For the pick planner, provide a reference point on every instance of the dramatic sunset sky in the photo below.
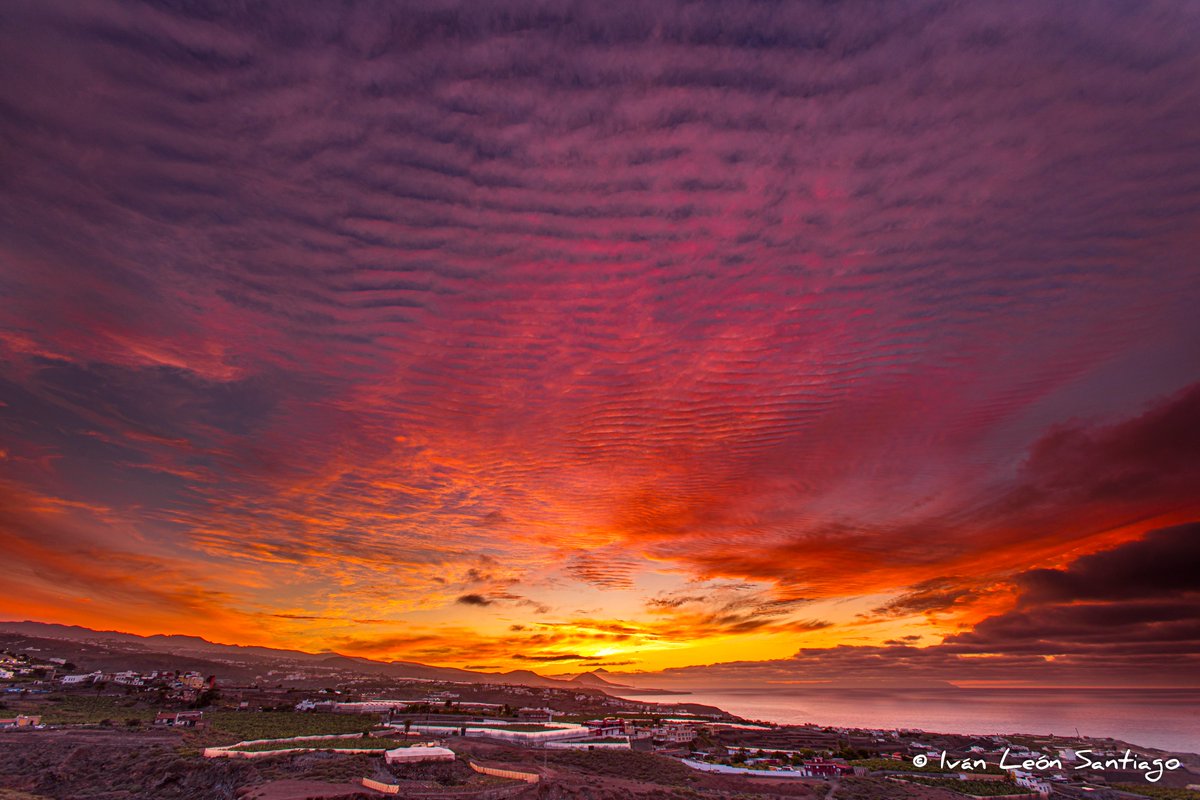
(840, 338)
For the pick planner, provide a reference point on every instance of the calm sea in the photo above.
(1168, 719)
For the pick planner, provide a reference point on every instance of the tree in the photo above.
(207, 698)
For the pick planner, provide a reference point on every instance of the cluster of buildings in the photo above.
(536, 728)
(789, 763)
(663, 732)
(175, 680)
(27, 674)
(15, 667)
(185, 687)
(535, 725)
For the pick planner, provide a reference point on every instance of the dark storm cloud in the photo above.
(1165, 564)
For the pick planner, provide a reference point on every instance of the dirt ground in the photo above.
(302, 790)
(85, 764)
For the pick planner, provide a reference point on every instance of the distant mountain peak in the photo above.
(594, 679)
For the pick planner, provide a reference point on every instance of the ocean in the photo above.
(1167, 719)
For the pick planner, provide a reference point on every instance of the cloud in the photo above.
(1140, 599)
(315, 617)
(593, 298)
(606, 571)
(473, 600)
(724, 608)
(931, 596)
(1101, 620)
(551, 657)
(1165, 564)
(1077, 484)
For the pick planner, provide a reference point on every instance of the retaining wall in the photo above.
(528, 777)
(227, 751)
(587, 746)
(519, 737)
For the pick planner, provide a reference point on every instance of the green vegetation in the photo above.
(888, 764)
(324, 744)
(92, 710)
(245, 725)
(872, 789)
(1159, 792)
(979, 788)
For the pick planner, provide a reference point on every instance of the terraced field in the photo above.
(332, 743)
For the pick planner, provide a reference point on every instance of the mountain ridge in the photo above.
(187, 646)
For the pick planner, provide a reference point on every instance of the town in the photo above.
(422, 736)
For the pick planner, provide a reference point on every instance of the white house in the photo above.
(412, 755)
(1031, 782)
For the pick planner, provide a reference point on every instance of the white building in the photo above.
(413, 755)
(677, 734)
(1031, 782)
(369, 706)
(78, 679)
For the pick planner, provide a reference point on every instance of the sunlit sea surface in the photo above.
(1168, 719)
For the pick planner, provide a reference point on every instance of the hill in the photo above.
(115, 650)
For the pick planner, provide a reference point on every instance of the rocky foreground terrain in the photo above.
(161, 765)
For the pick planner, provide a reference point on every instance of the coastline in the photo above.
(1147, 719)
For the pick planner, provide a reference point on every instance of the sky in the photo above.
(806, 339)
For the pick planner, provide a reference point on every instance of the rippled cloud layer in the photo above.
(562, 334)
